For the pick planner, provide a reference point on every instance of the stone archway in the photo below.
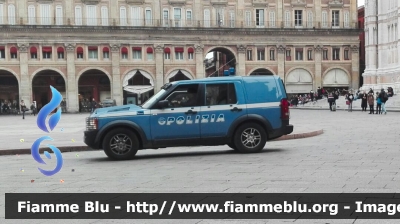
(178, 75)
(261, 71)
(138, 87)
(41, 83)
(336, 78)
(9, 90)
(299, 81)
(93, 84)
(219, 60)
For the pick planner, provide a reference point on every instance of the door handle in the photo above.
(236, 109)
(191, 112)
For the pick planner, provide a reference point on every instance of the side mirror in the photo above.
(163, 104)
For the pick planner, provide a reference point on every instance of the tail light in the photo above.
(285, 113)
(91, 123)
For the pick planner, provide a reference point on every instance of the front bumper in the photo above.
(89, 139)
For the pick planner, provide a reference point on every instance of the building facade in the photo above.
(361, 17)
(127, 49)
(381, 45)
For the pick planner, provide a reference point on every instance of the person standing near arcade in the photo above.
(23, 108)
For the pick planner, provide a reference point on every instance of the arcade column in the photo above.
(116, 88)
(159, 82)
(25, 86)
(72, 84)
(241, 61)
(281, 62)
(355, 67)
(318, 67)
(200, 70)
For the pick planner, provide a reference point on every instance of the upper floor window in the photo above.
(190, 53)
(45, 14)
(11, 15)
(104, 16)
(46, 52)
(91, 15)
(136, 16)
(220, 17)
(79, 53)
(167, 53)
(148, 17)
(31, 15)
(336, 54)
(347, 20)
(124, 53)
(298, 18)
(260, 54)
(189, 17)
(2, 52)
(60, 53)
(93, 52)
(207, 18)
(1, 14)
(165, 17)
(309, 55)
(122, 16)
(260, 17)
(59, 15)
(33, 51)
(299, 54)
(137, 53)
(177, 17)
(335, 18)
(106, 53)
(78, 16)
(248, 19)
(13, 52)
(179, 53)
(346, 54)
(287, 19)
(288, 55)
(310, 21)
(272, 19)
(150, 55)
(249, 55)
(325, 54)
(324, 19)
(272, 55)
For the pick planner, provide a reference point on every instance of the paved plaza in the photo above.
(358, 153)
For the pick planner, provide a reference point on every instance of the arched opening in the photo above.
(219, 61)
(261, 71)
(336, 79)
(138, 87)
(9, 92)
(179, 75)
(93, 84)
(299, 81)
(41, 83)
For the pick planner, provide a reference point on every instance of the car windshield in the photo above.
(153, 99)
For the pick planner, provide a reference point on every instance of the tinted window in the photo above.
(183, 96)
(220, 94)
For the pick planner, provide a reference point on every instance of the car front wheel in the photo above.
(250, 138)
(120, 144)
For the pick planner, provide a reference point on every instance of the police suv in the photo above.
(242, 112)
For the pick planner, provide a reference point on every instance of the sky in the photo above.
(361, 2)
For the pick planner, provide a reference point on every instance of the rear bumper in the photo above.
(89, 139)
(285, 129)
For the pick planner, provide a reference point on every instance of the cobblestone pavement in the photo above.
(357, 153)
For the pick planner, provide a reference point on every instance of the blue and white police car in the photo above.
(242, 112)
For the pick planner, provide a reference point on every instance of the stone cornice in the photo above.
(91, 2)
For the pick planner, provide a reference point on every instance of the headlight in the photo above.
(91, 123)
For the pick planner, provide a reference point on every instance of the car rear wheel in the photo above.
(250, 138)
(120, 144)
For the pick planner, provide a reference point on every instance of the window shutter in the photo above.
(31, 15)
(11, 14)
(206, 18)
(324, 19)
(45, 14)
(287, 19)
(59, 15)
(136, 16)
(78, 15)
(122, 16)
(91, 15)
(272, 19)
(104, 16)
(1, 13)
(346, 19)
(310, 20)
(261, 17)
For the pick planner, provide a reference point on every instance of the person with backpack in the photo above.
(384, 97)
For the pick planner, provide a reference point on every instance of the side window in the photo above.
(220, 94)
(183, 96)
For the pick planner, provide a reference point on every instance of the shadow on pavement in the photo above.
(186, 154)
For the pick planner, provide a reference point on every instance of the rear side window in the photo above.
(261, 90)
(220, 94)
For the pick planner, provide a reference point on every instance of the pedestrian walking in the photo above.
(384, 97)
(312, 95)
(364, 101)
(23, 108)
(33, 108)
(93, 105)
(371, 101)
(331, 100)
(378, 103)
(350, 98)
